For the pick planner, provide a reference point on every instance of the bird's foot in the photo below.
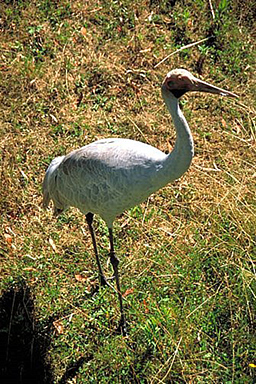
(122, 327)
(103, 280)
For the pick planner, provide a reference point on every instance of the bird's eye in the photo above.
(169, 84)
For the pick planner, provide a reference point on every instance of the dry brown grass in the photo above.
(79, 79)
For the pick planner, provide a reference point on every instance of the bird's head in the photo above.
(180, 81)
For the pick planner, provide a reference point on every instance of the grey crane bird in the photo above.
(112, 175)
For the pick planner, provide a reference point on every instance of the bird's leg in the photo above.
(114, 261)
(102, 278)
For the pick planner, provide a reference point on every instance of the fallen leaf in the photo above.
(52, 244)
(145, 306)
(83, 31)
(224, 124)
(58, 326)
(80, 278)
(128, 292)
(238, 129)
(190, 23)
(29, 269)
(8, 238)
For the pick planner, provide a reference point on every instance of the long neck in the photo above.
(178, 161)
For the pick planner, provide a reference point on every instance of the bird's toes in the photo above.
(122, 328)
(103, 281)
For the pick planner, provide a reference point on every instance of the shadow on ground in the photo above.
(23, 348)
(24, 343)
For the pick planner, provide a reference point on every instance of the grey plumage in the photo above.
(112, 175)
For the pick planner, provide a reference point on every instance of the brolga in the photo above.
(112, 175)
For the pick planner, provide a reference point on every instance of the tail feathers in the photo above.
(46, 193)
(46, 199)
(49, 182)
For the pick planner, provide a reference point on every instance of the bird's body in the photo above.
(107, 177)
(112, 175)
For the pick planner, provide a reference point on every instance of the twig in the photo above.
(138, 128)
(174, 356)
(205, 301)
(215, 169)
(166, 364)
(212, 10)
(181, 49)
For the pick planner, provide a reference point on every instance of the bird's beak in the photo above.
(203, 86)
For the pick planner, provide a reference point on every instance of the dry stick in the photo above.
(166, 364)
(174, 356)
(181, 49)
(212, 10)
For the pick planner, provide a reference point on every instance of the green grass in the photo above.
(74, 72)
